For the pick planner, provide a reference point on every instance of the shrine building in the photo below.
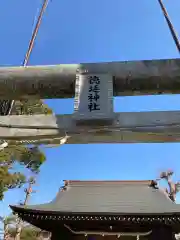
(96, 210)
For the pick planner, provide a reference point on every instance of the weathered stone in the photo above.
(129, 78)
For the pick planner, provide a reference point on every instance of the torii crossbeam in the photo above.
(133, 127)
(129, 78)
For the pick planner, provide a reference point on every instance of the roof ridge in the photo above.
(70, 182)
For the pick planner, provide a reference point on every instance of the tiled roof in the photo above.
(110, 197)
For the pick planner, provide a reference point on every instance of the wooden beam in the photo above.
(130, 78)
(130, 127)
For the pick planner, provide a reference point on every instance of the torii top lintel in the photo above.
(58, 81)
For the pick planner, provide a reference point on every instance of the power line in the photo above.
(170, 25)
(35, 32)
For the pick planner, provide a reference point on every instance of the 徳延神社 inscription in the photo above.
(94, 93)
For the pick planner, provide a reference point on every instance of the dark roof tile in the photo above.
(110, 197)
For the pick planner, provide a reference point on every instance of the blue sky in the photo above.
(94, 31)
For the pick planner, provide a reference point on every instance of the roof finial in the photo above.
(154, 184)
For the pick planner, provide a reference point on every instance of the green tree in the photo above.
(7, 222)
(30, 157)
(29, 107)
(28, 233)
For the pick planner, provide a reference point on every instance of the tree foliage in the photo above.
(174, 187)
(30, 157)
(30, 107)
(28, 233)
(7, 222)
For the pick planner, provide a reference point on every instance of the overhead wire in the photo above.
(170, 25)
(35, 32)
(6, 106)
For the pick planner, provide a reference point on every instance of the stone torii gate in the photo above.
(93, 86)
